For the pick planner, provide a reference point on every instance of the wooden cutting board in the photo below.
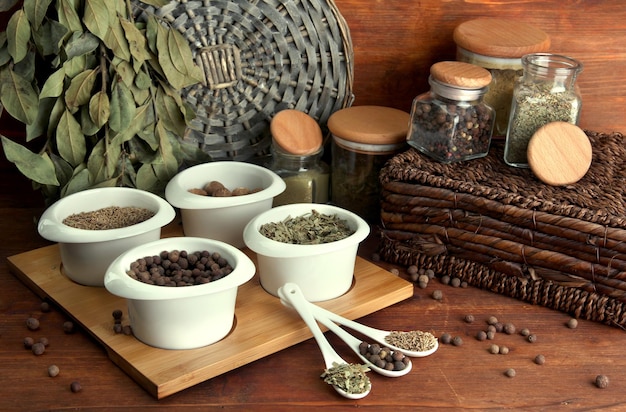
(263, 325)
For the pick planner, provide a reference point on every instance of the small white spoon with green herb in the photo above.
(415, 344)
(348, 380)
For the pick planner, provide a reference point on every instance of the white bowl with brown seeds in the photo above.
(91, 245)
(222, 217)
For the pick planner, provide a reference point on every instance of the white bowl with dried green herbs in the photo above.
(95, 226)
(217, 199)
(312, 245)
(180, 292)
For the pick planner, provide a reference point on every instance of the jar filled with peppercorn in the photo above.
(451, 122)
(297, 158)
(546, 93)
(498, 45)
(364, 138)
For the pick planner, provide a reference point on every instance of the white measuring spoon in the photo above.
(354, 343)
(377, 334)
(292, 294)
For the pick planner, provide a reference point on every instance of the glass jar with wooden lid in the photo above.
(363, 139)
(451, 122)
(297, 158)
(499, 45)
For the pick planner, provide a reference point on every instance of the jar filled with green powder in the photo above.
(547, 92)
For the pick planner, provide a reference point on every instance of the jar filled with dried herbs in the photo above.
(297, 158)
(451, 122)
(546, 93)
(364, 138)
(498, 45)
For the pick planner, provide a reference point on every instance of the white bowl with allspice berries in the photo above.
(94, 226)
(217, 199)
(180, 292)
(312, 245)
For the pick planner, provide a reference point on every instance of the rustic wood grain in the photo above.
(263, 325)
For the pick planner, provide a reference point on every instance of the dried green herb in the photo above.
(309, 229)
(414, 340)
(349, 377)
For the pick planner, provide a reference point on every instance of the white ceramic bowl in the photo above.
(323, 271)
(183, 317)
(86, 254)
(222, 218)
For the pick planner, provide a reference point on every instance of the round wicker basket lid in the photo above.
(559, 153)
(258, 58)
(500, 37)
(461, 74)
(370, 124)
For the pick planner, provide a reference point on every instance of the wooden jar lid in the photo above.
(460, 74)
(296, 132)
(559, 153)
(370, 124)
(500, 38)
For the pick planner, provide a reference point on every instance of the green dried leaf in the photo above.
(143, 81)
(87, 125)
(122, 107)
(80, 89)
(5, 57)
(36, 167)
(143, 117)
(124, 71)
(36, 11)
(155, 3)
(177, 79)
(80, 44)
(147, 178)
(169, 165)
(70, 139)
(67, 10)
(53, 87)
(78, 182)
(63, 169)
(96, 17)
(40, 125)
(74, 66)
(49, 37)
(99, 108)
(169, 113)
(116, 41)
(136, 42)
(18, 35)
(26, 67)
(18, 96)
(102, 162)
(55, 115)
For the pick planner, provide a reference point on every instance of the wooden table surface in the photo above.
(454, 378)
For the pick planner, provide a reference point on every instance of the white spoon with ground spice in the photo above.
(416, 344)
(351, 382)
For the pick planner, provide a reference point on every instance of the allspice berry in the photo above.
(32, 323)
(602, 381)
(572, 323)
(53, 370)
(75, 387)
(38, 348)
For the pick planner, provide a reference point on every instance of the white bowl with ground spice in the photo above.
(217, 199)
(171, 306)
(311, 245)
(94, 226)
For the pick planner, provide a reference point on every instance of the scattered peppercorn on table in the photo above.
(580, 366)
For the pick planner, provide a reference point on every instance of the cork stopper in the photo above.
(460, 74)
(296, 132)
(370, 125)
(500, 38)
(559, 153)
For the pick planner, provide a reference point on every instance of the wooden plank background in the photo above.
(396, 41)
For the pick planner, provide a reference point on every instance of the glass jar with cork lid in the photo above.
(363, 139)
(297, 158)
(498, 45)
(451, 122)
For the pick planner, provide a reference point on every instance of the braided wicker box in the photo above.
(501, 229)
(259, 57)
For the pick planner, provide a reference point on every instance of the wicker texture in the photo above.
(501, 229)
(260, 57)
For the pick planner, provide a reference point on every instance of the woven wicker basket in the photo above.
(260, 57)
(501, 229)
